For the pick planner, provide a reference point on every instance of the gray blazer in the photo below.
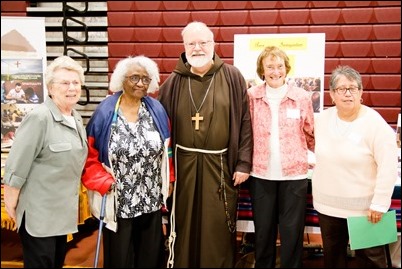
(46, 162)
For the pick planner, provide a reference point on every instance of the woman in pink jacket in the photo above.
(283, 119)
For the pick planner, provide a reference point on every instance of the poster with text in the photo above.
(23, 62)
(306, 53)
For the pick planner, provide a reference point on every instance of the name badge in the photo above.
(293, 113)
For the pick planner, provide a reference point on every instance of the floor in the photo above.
(82, 248)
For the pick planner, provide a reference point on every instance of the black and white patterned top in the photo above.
(136, 155)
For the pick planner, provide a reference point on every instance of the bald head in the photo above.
(199, 28)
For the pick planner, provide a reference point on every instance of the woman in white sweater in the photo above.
(356, 168)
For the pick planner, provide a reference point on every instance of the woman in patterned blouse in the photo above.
(129, 137)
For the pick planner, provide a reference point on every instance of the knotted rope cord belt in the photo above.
(221, 190)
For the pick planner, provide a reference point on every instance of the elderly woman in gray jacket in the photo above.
(43, 169)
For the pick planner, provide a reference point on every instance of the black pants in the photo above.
(138, 243)
(42, 252)
(278, 204)
(335, 239)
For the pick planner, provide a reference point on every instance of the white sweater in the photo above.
(356, 167)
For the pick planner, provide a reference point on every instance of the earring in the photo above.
(333, 101)
(361, 100)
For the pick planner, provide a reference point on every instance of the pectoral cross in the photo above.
(197, 118)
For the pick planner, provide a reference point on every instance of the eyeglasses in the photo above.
(202, 44)
(66, 84)
(351, 89)
(136, 78)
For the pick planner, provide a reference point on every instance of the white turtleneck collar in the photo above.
(274, 93)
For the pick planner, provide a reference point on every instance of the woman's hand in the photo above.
(11, 196)
(110, 171)
(240, 177)
(374, 216)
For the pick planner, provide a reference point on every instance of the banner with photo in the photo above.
(306, 53)
(23, 62)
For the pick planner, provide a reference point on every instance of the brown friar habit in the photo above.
(205, 202)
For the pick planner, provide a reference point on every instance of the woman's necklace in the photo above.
(197, 118)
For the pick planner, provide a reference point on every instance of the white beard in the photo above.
(198, 61)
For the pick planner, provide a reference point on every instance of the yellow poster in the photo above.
(306, 53)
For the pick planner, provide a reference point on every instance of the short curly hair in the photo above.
(119, 73)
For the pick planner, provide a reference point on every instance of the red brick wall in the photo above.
(13, 8)
(363, 34)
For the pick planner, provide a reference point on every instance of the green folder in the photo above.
(364, 234)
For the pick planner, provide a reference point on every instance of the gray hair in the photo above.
(63, 62)
(196, 25)
(348, 72)
(119, 73)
